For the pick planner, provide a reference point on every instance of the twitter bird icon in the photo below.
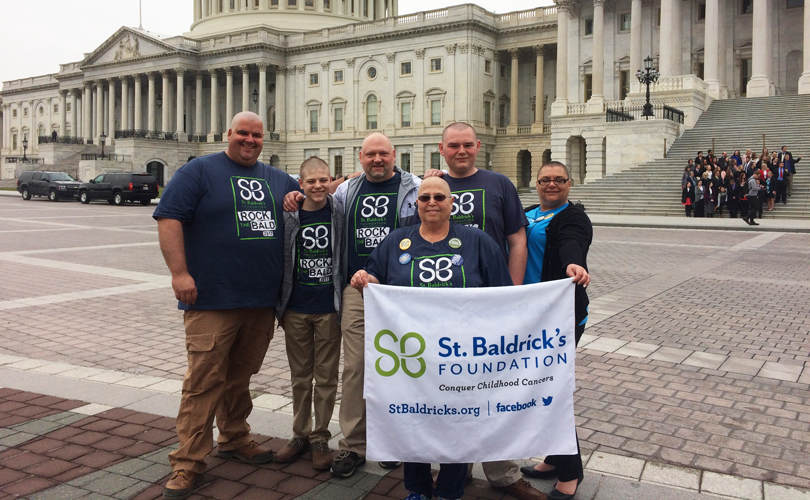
(547, 401)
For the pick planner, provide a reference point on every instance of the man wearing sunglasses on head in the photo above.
(488, 201)
(435, 254)
(374, 204)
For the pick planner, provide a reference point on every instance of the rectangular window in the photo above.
(503, 71)
(624, 22)
(487, 113)
(309, 4)
(292, 3)
(406, 114)
(338, 119)
(371, 114)
(14, 113)
(701, 12)
(488, 67)
(14, 141)
(405, 68)
(745, 75)
(313, 121)
(436, 161)
(405, 164)
(747, 7)
(338, 165)
(256, 4)
(339, 76)
(67, 107)
(700, 69)
(365, 8)
(273, 3)
(795, 3)
(313, 79)
(327, 5)
(588, 29)
(436, 112)
(25, 112)
(502, 115)
(436, 64)
(624, 84)
(588, 87)
(55, 108)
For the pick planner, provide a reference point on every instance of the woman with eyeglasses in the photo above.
(435, 253)
(558, 237)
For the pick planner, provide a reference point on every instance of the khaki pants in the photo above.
(225, 347)
(313, 349)
(790, 183)
(499, 474)
(352, 404)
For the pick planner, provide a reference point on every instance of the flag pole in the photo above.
(140, 14)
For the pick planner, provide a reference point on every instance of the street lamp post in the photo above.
(25, 148)
(255, 96)
(102, 138)
(647, 76)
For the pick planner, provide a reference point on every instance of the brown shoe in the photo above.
(251, 453)
(296, 447)
(182, 484)
(321, 456)
(522, 490)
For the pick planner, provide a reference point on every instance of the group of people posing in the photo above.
(302, 252)
(744, 184)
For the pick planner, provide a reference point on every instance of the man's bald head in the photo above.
(458, 126)
(245, 117)
(245, 138)
(375, 138)
(434, 185)
(377, 156)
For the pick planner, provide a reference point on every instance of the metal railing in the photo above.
(145, 134)
(96, 157)
(217, 137)
(275, 137)
(624, 113)
(198, 138)
(28, 159)
(48, 139)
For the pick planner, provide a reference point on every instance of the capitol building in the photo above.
(539, 83)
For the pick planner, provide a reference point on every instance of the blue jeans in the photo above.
(449, 484)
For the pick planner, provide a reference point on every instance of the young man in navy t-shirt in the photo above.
(221, 234)
(308, 310)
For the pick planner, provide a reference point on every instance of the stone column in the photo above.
(804, 81)
(761, 83)
(666, 40)
(635, 39)
(245, 87)
(74, 114)
(62, 113)
(124, 102)
(137, 123)
(166, 108)
(513, 98)
(197, 10)
(281, 100)
(711, 48)
(214, 104)
(111, 103)
(262, 111)
(198, 105)
(560, 105)
(87, 129)
(228, 96)
(150, 106)
(538, 90)
(206, 4)
(99, 118)
(180, 107)
(598, 59)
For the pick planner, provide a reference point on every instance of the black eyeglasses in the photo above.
(424, 198)
(546, 181)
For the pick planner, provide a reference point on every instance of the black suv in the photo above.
(54, 185)
(118, 188)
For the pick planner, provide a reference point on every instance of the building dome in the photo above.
(213, 17)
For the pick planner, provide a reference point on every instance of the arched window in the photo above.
(371, 112)
(41, 131)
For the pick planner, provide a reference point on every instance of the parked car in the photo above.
(119, 188)
(55, 185)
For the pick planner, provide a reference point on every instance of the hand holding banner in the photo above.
(469, 375)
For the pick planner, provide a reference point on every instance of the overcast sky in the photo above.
(38, 36)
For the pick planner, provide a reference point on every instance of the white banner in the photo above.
(469, 375)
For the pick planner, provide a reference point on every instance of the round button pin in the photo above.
(455, 243)
(404, 258)
(457, 260)
(405, 244)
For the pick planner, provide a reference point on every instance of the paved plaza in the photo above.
(693, 377)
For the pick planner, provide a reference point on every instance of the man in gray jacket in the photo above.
(374, 204)
(753, 192)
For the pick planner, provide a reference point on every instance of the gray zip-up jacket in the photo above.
(347, 192)
(753, 189)
(292, 225)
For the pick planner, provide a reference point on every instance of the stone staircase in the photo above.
(654, 188)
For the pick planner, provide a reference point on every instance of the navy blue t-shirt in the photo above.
(313, 291)
(372, 216)
(233, 229)
(466, 258)
(488, 201)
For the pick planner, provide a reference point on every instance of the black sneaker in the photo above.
(345, 463)
(390, 465)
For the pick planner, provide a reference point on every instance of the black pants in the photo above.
(732, 209)
(781, 191)
(744, 209)
(569, 467)
(699, 209)
(752, 209)
(760, 202)
(688, 210)
(449, 484)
